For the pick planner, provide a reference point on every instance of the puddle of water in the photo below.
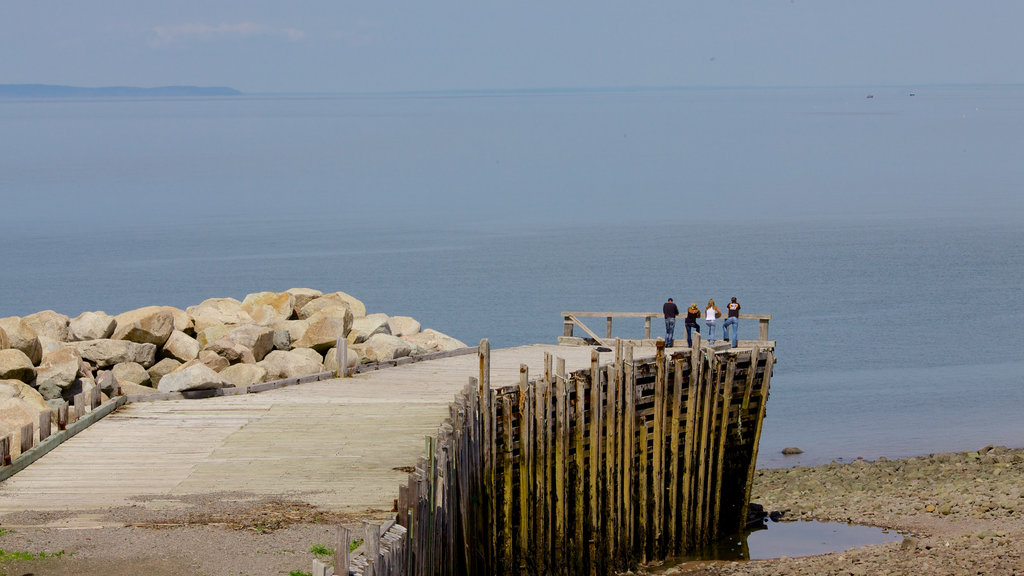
(791, 539)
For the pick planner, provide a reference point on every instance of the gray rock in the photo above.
(193, 375)
(232, 351)
(50, 324)
(244, 374)
(181, 347)
(214, 361)
(289, 364)
(57, 372)
(91, 326)
(792, 450)
(16, 365)
(282, 340)
(295, 329)
(324, 331)
(106, 353)
(107, 382)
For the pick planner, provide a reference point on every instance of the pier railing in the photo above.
(572, 319)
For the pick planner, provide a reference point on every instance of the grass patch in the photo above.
(299, 573)
(354, 544)
(321, 550)
(6, 556)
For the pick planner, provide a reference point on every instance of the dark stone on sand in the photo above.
(791, 450)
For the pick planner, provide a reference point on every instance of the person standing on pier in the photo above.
(692, 314)
(733, 320)
(711, 314)
(671, 311)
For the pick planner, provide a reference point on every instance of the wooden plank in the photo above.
(44, 424)
(690, 442)
(579, 474)
(542, 405)
(508, 538)
(27, 434)
(5, 450)
(525, 465)
(730, 375)
(763, 393)
(596, 338)
(658, 452)
(629, 450)
(594, 405)
(561, 509)
(673, 482)
(342, 540)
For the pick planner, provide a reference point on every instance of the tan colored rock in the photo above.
(331, 359)
(311, 354)
(215, 361)
(324, 331)
(266, 308)
(355, 304)
(295, 329)
(91, 326)
(16, 365)
(145, 326)
(327, 301)
(218, 311)
(403, 326)
(445, 343)
(182, 321)
(21, 336)
(105, 353)
(4, 342)
(232, 351)
(161, 369)
(50, 324)
(131, 372)
(302, 297)
(57, 372)
(130, 388)
(367, 326)
(289, 364)
(242, 375)
(258, 339)
(50, 345)
(213, 332)
(193, 375)
(20, 404)
(181, 347)
(385, 347)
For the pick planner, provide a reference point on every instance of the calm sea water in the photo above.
(883, 235)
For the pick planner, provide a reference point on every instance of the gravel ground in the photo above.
(960, 514)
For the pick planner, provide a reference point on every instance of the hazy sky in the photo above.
(350, 46)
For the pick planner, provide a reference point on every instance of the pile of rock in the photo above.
(221, 342)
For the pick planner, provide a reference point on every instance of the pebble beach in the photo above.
(959, 514)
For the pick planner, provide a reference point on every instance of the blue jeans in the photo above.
(689, 329)
(711, 330)
(670, 330)
(735, 323)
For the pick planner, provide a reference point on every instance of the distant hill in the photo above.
(53, 91)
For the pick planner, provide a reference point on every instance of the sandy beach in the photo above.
(959, 513)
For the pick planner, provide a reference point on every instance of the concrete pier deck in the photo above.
(342, 445)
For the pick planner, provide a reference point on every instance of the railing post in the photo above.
(762, 329)
(647, 328)
(566, 326)
(608, 330)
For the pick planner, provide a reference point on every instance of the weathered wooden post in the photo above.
(27, 431)
(44, 425)
(341, 552)
(341, 353)
(5, 450)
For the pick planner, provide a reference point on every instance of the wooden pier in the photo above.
(550, 460)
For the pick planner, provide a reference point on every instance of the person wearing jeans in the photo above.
(671, 311)
(711, 314)
(733, 320)
(692, 314)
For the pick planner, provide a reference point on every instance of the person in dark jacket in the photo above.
(671, 311)
(733, 320)
(692, 314)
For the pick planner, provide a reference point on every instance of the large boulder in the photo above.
(131, 372)
(324, 330)
(181, 347)
(334, 300)
(331, 358)
(244, 374)
(218, 311)
(295, 329)
(105, 353)
(214, 361)
(57, 372)
(50, 324)
(302, 297)
(366, 326)
(193, 375)
(161, 369)
(48, 345)
(146, 326)
(91, 326)
(403, 326)
(258, 339)
(16, 365)
(289, 364)
(232, 351)
(266, 308)
(435, 341)
(20, 404)
(21, 336)
(213, 332)
(385, 347)
(107, 383)
(4, 343)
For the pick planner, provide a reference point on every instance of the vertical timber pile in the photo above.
(589, 472)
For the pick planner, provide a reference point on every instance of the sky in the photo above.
(319, 46)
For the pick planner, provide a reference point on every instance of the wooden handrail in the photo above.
(573, 318)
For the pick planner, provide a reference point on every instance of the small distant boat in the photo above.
(912, 94)
(871, 96)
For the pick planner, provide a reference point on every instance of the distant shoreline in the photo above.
(57, 91)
